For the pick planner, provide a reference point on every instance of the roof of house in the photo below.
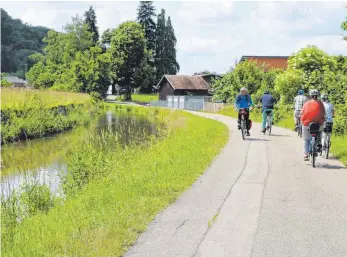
(246, 57)
(185, 82)
(15, 80)
(211, 74)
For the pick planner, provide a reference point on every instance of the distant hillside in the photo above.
(18, 41)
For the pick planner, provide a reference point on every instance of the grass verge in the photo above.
(142, 98)
(106, 215)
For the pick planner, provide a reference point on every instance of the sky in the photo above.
(213, 35)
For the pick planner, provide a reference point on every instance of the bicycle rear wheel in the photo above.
(243, 129)
(327, 146)
(269, 126)
(313, 153)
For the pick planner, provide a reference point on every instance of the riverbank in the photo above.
(27, 114)
(338, 146)
(113, 193)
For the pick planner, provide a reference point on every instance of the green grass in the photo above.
(338, 147)
(105, 217)
(12, 98)
(36, 113)
(145, 98)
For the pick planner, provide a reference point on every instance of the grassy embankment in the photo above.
(113, 193)
(34, 113)
(338, 147)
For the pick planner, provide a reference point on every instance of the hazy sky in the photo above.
(211, 35)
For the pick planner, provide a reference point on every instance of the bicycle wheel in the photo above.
(243, 131)
(327, 145)
(313, 153)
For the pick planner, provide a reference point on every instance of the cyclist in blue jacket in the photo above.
(244, 101)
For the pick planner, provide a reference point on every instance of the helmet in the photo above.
(324, 97)
(301, 92)
(314, 92)
(243, 89)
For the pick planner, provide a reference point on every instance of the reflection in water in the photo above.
(43, 159)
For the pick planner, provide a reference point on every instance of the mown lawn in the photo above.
(13, 97)
(105, 217)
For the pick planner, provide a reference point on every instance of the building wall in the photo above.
(280, 63)
(193, 92)
(165, 90)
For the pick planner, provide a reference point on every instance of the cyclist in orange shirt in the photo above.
(312, 111)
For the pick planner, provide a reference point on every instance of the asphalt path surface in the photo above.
(258, 198)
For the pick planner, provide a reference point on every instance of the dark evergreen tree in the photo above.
(90, 20)
(172, 67)
(160, 46)
(145, 14)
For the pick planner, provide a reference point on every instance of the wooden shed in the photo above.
(182, 85)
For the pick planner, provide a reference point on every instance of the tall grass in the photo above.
(12, 98)
(119, 190)
(34, 117)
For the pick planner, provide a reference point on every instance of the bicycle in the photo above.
(268, 125)
(313, 147)
(328, 127)
(243, 113)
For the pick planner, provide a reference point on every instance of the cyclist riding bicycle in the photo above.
(267, 102)
(299, 102)
(312, 111)
(329, 114)
(244, 101)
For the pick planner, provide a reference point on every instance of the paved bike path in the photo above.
(266, 200)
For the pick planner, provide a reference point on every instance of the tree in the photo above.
(160, 58)
(172, 67)
(129, 55)
(204, 72)
(344, 27)
(145, 12)
(90, 20)
(18, 42)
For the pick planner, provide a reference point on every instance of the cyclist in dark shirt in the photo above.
(267, 102)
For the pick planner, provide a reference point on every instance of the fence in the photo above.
(192, 103)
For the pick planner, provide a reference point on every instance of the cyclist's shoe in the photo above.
(296, 128)
(263, 130)
(248, 134)
(305, 157)
(238, 126)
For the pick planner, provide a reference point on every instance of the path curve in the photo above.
(266, 202)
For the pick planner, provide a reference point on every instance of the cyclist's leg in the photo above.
(272, 116)
(306, 139)
(263, 120)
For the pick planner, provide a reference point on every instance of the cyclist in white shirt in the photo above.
(329, 114)
(299, 101)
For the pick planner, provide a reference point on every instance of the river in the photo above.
(42, 160)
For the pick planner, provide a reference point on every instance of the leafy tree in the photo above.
(129, 55)
(145, 14)
(18, 42)
(344, 27)
(106, 36)
(204, 72)
(90, 20)
(172, 67)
